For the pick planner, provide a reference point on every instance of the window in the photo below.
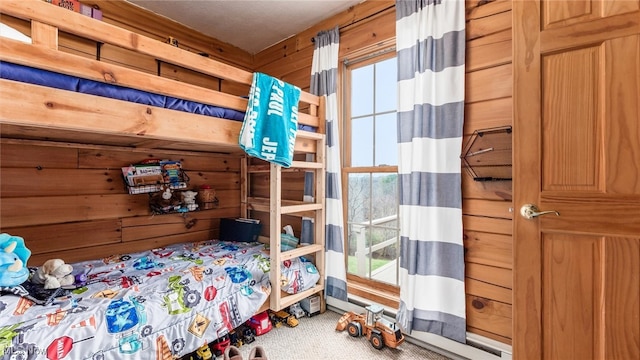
(370, 171)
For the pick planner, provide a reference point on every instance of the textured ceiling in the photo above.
(251, 25)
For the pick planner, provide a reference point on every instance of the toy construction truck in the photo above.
(378, 330)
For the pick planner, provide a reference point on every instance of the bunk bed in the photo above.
(33, 109)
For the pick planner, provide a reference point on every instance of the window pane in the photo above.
(362, 91)
(386, 80)
(372, 221)
(362, 142)
(359, 198)
(386, 149)
(385, 188)
(358, 220)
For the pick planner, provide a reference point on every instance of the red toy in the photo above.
(260, 323)
(220, 345)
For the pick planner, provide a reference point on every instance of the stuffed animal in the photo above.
(164, 200)
(189, 199)
(13, 260)
(54, 273)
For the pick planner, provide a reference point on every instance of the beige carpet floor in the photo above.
(316, 338)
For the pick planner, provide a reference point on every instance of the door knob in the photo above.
(529, 211)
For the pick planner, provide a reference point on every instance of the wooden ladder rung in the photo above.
(306, 165)
(309, 135)
(300, 208)
(300, 251)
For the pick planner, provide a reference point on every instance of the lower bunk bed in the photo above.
(158, 304)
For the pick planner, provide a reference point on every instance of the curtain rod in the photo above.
(347, 62)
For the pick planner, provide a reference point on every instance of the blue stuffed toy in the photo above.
(13, 260)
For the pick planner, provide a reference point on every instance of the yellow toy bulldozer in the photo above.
(378, 330)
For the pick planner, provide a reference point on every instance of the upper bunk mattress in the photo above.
(15, 72)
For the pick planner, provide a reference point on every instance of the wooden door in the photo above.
(577, 151)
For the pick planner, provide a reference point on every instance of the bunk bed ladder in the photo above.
(278, 207)
(279, 299)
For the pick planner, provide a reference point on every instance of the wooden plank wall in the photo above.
(486, 206)
(69, 200)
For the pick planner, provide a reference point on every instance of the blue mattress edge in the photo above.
(26, 74)
(31, 75)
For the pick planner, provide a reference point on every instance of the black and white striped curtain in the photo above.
(324, 80)
(430, 45)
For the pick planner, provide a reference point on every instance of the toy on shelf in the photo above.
(13, 260)
(378, 330)
(164, 201)
(189, 200)
(207, 197)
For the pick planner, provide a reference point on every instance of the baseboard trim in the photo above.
(478, 347)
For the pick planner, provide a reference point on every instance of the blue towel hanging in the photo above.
(271, 121)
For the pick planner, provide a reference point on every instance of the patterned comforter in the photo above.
(157, 304)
